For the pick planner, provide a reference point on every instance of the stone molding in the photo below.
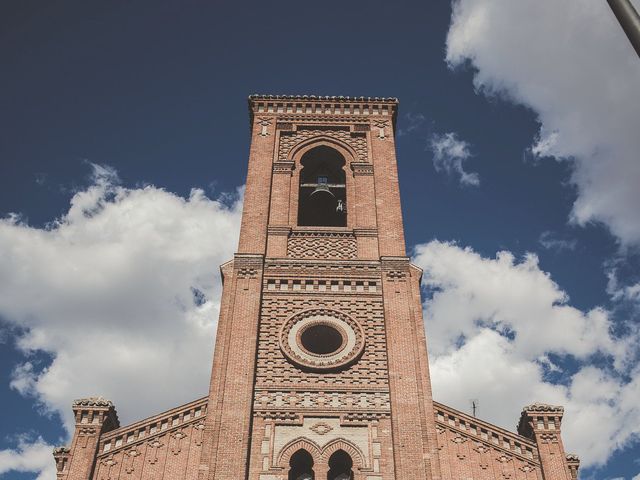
(362, 168)
(283, 167)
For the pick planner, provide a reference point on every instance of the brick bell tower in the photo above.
(320, 368)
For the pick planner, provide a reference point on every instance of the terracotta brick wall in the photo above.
(269, 396)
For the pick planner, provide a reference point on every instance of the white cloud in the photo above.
(550, 241)
(492, 325)
(410, 123)
(449, 155)
(571, 63)
(626, 292)
(29, 456)
(122, 292)
(620, 290)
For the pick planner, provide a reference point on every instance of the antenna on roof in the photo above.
(475, 404)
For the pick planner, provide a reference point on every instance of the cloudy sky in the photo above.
(123, 152)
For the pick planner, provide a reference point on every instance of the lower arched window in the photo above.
(301, 466)
(340, 465)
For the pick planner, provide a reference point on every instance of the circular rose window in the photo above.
(321, 339)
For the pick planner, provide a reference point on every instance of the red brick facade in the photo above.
(320, 365)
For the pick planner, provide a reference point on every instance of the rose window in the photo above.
(321, 339)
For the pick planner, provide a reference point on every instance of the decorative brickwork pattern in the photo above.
(357, 140)
(320, 343)
(328, 109)
(273, 368)
(164, 446)
(322, 401)
(309, 269)
(470, 448)
(321, 245)
(155, 425)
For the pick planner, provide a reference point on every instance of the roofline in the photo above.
(331, 98)
(389, 103)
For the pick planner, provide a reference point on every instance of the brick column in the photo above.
(429, 435)
(255, 212)
(94, 416)
(278, 230)
(387, 192)
(541, 423)
(225, 454)
(365, 208)
(281, 193)
(413, 453)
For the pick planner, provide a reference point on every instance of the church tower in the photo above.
(320, 367)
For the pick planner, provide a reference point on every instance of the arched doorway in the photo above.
(340, 466)
(301, 466)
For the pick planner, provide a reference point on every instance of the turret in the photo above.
(93, 417)
(541, 423)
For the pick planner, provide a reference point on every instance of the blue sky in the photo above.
(125, 125)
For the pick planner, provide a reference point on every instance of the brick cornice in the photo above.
(143, 426)
(458, 417)
(362, 168)
(324, 98)
(335, 108)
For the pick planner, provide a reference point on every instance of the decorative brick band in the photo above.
(332, 107)
(347, 402)
(321, 245)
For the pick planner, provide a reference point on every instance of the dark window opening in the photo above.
(322, 200)
(340, 465)
(301, 464)
(321, 339)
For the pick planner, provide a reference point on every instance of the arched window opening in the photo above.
(340, 465)
(301, 464)
(322, 195)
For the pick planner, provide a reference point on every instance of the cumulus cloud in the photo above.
(572, 65)
(500, 329)
(449, 155)
(122, 292)
(29, 456)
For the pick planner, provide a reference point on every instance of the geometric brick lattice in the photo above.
(274, 369)
(357, 141)
(319, 245)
